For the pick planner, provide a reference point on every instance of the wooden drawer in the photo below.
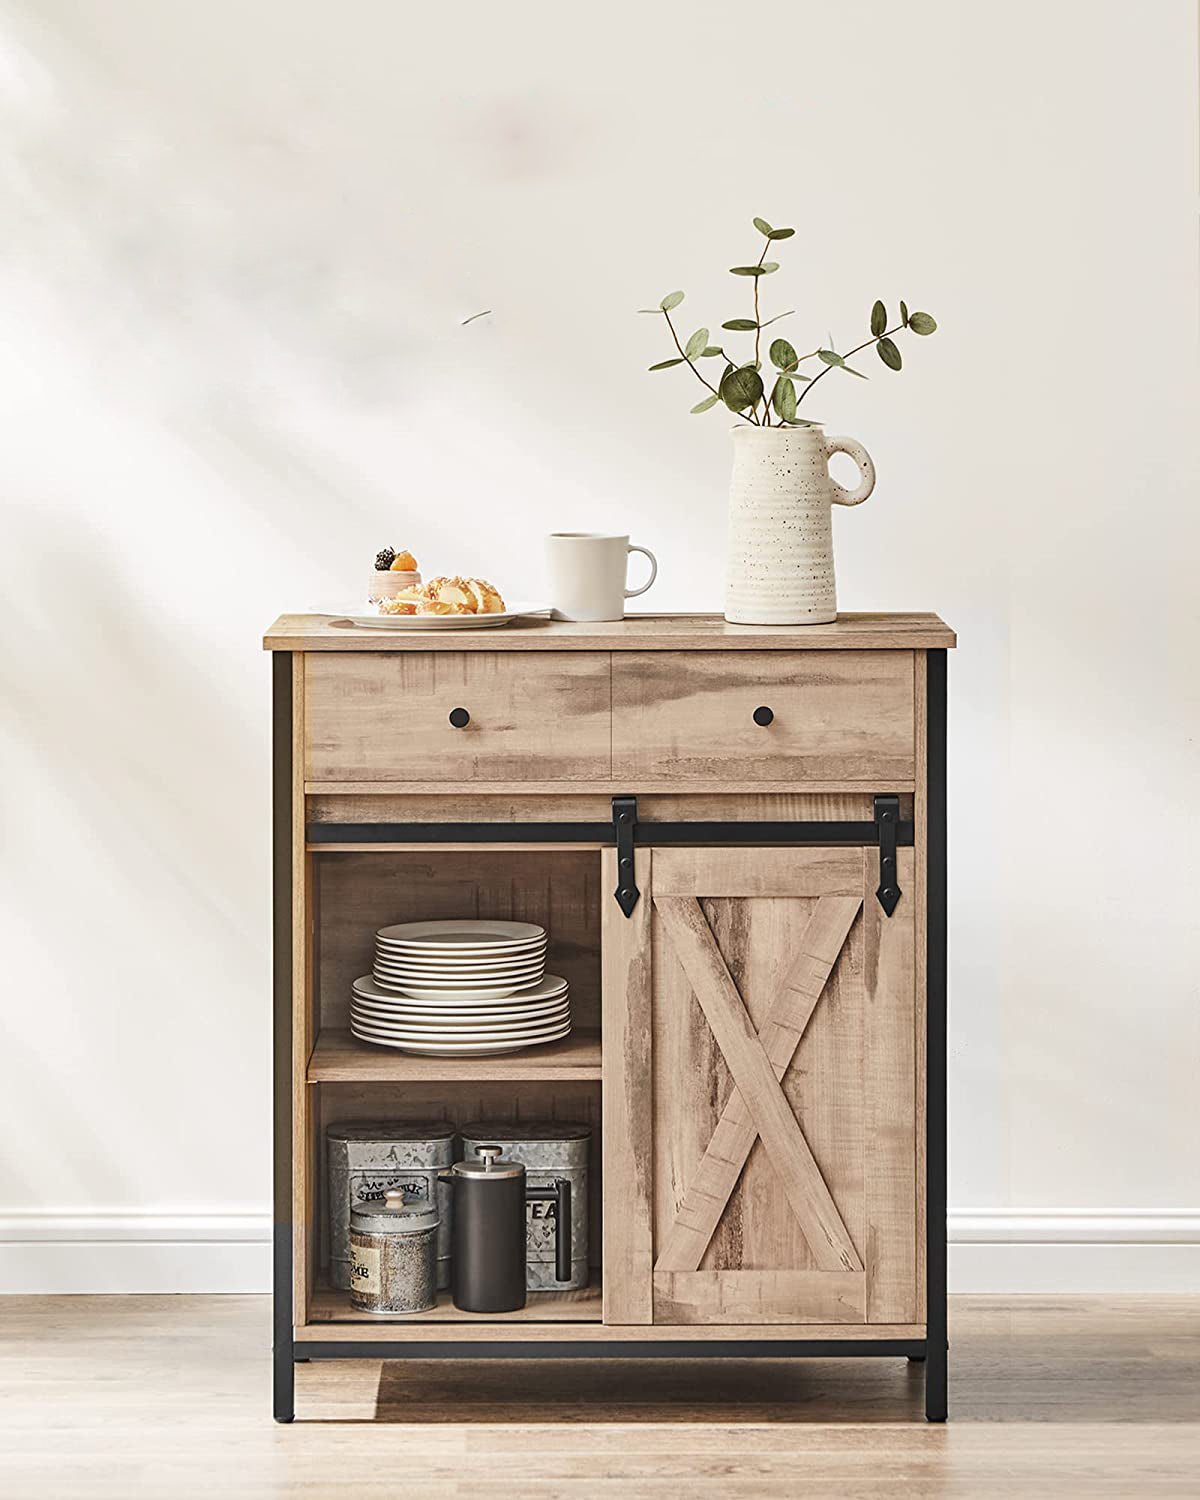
(534, 716)
(838, 715)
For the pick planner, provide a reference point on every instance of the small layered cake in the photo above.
(394, 573)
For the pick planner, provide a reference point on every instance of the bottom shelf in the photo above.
(583, 1306)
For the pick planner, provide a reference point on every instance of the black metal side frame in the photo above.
(932, 1349)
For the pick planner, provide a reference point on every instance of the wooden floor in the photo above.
(169, 1396)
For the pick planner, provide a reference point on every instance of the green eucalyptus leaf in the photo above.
(704, 405)
(904, 313)
(783, 398)
(782, 355)
(781, 234)
(657, 311)
(829, 357)
(665, 364)
(671, 300)
(921, 323)
(741, 388)
(889, 354)
(763, 227)
(707, 353)
(740, 325)
(878, 320)
(850, 370)
(696, 344)
(768, 321)
(764, 270)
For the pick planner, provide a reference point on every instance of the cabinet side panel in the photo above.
(890, 1100)
(921, 891)
(627, 1100)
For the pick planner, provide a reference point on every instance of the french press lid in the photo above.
(488, 1164)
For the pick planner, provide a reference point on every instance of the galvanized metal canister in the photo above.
(393, 1256)
(367, 1158)
(547, 1149)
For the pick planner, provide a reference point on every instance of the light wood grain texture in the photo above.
(1053, 1398)
(477, 1329)
(857, 632)
(303, 1011)
(562, 891)
(628, 1125)
(481, 806)
(799, 1175)
(706, 1196)
(844, 716)
(582, 1306)
(754, 1297)
(764, 873)
(889, 1099)
(342, 1058)
(385, 717)
(731, 785)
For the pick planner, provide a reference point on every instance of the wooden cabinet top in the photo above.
(850, 632)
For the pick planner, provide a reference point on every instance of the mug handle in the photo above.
(645, 551)
(841, 495)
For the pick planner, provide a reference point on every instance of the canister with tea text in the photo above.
(548, 1150)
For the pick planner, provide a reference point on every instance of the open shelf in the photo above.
(339, 1057)
(583, 1306)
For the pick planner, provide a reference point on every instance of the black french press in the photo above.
(488, 1237)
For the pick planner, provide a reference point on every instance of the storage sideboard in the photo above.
(736, 838)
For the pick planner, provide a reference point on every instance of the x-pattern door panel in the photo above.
(781, 1091)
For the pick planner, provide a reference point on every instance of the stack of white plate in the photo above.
(460, 988)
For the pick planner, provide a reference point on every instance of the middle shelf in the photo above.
(339, 1057)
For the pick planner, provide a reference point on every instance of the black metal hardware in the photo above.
(936, 1374)
(633, 1349)
(887, 816)
(281, 928)
(460, 718)
(564, 1233)
(763, 716)
(624, 830)
(646, 832)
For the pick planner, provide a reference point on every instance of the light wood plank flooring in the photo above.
(170, 1396)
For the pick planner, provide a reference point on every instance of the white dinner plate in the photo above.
(392, 979)
(354, 616)
(549, 987)
(401, 1005)
(456, 1034)
(462, 1049)
(431, 966)
(406, 958)
(536, 1016)
(461, 932)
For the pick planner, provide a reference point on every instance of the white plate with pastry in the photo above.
(434, 622)
(444, 603)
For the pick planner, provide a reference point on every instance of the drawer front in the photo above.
(835, 715)
(534, 716)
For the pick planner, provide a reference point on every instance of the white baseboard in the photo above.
(135, 1252)
(1019, 1251)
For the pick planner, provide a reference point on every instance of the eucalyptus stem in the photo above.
(758, 328)
(683, 355)
(887, 333)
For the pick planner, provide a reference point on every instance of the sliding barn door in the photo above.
(760, 1102)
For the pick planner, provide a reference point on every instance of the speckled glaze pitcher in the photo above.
(781, 526)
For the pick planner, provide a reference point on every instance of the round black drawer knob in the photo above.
(460, 718)
(763, 716)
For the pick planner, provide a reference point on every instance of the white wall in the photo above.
(238, 240)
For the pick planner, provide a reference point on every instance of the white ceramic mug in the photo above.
(586, 572)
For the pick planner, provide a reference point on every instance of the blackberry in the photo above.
(384, 559)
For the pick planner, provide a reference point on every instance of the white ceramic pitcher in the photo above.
(780, 524)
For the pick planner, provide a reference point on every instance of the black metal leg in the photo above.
(281, 801)
(935, 1050)
(916, 1359)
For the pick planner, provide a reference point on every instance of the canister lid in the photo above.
(488, 1163)
(390, 1130)
(525, 1130)
(394, 1216)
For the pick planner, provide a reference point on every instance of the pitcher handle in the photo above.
(841, 495)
